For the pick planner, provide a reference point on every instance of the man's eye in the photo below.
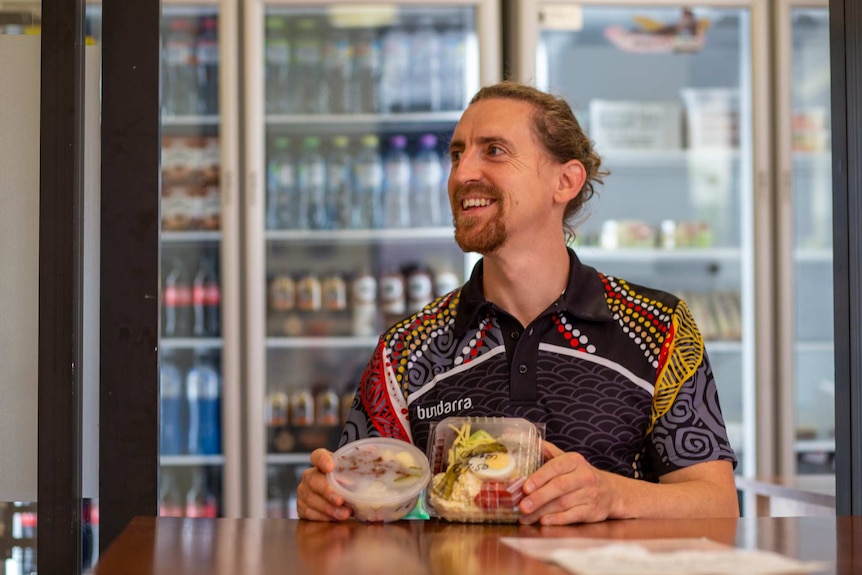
(455, 156)
(495, 150)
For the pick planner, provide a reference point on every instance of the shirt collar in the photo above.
(584, 296)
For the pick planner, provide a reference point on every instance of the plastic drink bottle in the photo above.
(337, 70)
(366, 72)
(206, 301)
(180, 95)
(277, 54)
(172, 432)
(427, 175)
(280, 186)
(307, 57)
(311, 183)
(395, 47)
(177, 302)
(339, 183)
(424, 78)
(207, 65)
(396, 184)
(368, 181)
(203, 397)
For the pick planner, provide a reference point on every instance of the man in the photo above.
(617, 372)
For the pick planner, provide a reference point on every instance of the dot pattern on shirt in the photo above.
(645, 321)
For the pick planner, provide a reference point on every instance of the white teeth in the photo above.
(476, 203)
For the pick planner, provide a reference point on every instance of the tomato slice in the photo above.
(496, 495)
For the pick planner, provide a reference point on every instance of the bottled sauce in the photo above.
(170, 500)
(172, 434)
(427, 174)
(177, 302)
(277, 55)
(180, 91)
(280, 186)
(337, 73)
(200, 501)
(363, 294)
(392, 295)
(419, 288)
(366, 71)
(423, 80)
(206, 301)
(326, 408)
(311, 186)
(203, 399)
(339, 183)
(308, 293)
(301, 408)
(445, 281)
(334, 293)
(396, 184)
(394, 79)
(307, 57)
(207, 65)
(277, 413)
(368, 182)
(282, 293)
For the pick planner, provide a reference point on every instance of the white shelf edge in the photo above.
(360, 235)
(360, 119)
(288, 458)
(190, 121)
(191, 236)
(659, 254)
(190, 460)
(813, 255)
(321, 342)
(814, 445)
(190, 342)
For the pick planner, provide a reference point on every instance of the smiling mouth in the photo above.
(469, 203)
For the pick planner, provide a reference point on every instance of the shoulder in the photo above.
(627, 298)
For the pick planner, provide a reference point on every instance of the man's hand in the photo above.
(567, 489)
(315, 499)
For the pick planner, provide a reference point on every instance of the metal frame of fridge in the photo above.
(488, 30)
(758, 273)
(786, 405)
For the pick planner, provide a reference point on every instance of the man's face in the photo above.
(500, 186)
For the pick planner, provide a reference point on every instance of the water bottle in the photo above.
(395, 47)
(280, 186)
(396, 184)
(339, 182)
(180, 91)
(306, 61)
(207, 65)
(206, 300)
(203, 400)
(452, 82)
(368, 181)
(311, 186)
(337, 64)
(172, 434)
(276, 48)
(365, 82)
(427, 174)
(424, 78)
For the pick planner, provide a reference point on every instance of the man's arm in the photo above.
(567, 489)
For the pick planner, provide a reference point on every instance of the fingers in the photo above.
(322, 459)
(315, 499)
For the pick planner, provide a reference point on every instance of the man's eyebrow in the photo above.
(482, 140)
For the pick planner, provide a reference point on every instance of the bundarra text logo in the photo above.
(443, 407)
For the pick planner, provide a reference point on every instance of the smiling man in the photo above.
(616, 372)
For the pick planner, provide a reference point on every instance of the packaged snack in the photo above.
(479, 466)
(380, 478)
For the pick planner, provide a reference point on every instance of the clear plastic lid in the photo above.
(380, 478)
(479, 466)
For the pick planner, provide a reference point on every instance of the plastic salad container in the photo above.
(380, 478)
(479, 466)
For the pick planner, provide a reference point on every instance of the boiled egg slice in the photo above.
(493, 466)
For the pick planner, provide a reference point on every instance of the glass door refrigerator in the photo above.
(348, 111)
(806, 366)
(675, 96)
(200, 341)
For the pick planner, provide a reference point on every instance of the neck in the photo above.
(526, 282)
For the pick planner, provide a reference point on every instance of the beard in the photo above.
(473, 236)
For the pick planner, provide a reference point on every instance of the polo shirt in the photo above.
(615, 371)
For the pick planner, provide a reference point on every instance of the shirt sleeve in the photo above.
(687, 423)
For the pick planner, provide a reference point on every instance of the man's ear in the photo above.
(573, 175)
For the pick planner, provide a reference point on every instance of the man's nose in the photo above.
(466, 169)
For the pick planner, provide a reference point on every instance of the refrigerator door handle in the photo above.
(252, 188)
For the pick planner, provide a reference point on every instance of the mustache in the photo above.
(487, 190)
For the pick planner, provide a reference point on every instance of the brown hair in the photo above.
(558, 130)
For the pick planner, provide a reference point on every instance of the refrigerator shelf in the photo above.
(288, 459)
(190, 343)
(363, 120)
(813, 255)
(345, 342)
(190, 121)
(191, 236)
(364, 236)
(190, 460)
(692, 255)
(663, 159)
(723, 346)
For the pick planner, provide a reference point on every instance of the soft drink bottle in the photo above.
(177, 302)
(311, 180)
(200, 501)
(180, 94)
(424, 79)
(172, 433)
(203, 399)
(427, 174)
(395, 46)
(207, 65)
(170, 501)
(339, 182)
(337, 64)
(366, 71)
(206, 300)
(280, 186)
(396, 184)
(276, 48)
(368, 181)
(306, 63)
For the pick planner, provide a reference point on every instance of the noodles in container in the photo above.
(380, 478)
(479, 466)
